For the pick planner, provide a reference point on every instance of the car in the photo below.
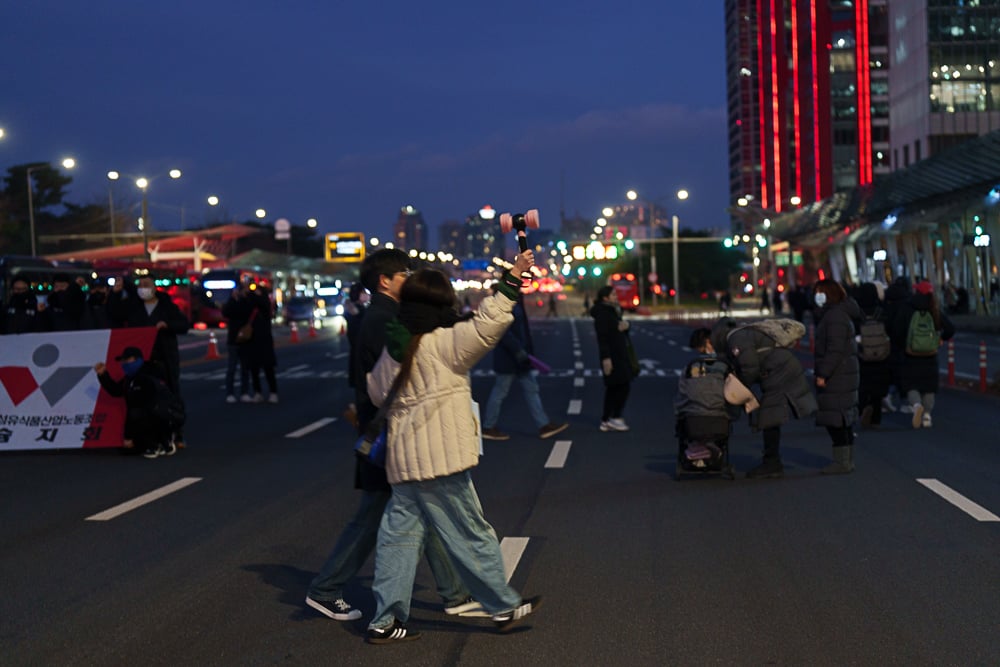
(301, 309)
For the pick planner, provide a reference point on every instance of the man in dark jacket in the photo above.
(21, 314)
(65, 304)
(383, 274)
(613, 347)
(237, 313)
(147, 428)
(152, 308)
(510, 361)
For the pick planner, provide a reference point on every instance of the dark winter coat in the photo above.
(95, 315)
(876, 376)
(612, 343)
(64, 309)
(371, 340)
(142, 420)
(756, 359)
(920, 374)
(354, 313)
(21, 315)
(836, 361)
(259, 350)
(510, 356)
(237, 313)
(896, 295)
(131, 310)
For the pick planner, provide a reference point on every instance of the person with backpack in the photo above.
(152, 411)
(836, 369)
(918, 329)
(874, 350)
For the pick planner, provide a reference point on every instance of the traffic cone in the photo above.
(295, 333)
(343, 329)
(213, 348)
(312, 329)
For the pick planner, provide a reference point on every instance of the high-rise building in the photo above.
(410, 230)
(944, 79)
(452, 238)
(807, 115)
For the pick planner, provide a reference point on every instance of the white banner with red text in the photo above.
(50, 397)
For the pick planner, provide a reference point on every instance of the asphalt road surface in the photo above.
(896, 564)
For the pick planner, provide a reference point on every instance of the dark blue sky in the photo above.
(346, 111)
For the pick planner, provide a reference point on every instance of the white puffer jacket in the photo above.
(432, 431)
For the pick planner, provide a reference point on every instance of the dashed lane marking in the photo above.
(578, 382)
(976, 511)
(511, 549)
(575, 406)
(315, 426)
(578, 365)
(144, 499)
(559, 453)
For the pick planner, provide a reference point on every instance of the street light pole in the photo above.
(144, 186)
(31, 209)
(677, 268)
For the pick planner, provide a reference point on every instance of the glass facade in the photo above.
(964, 55)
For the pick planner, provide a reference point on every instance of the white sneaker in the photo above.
(926, 421)
(906, 409)
(606, 426)
(230, 399)
(246, 398)
(887, 405)
(273, 398)
(618, 424)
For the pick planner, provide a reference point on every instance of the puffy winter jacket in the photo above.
(432, 430)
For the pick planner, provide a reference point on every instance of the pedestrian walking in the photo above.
(433, 444)
(511, 362)
(874, 352)
(553, 306)
(382, 274)
(918, 329)
(618, 362)
(237, 311)
(836, 370)
(258, 353)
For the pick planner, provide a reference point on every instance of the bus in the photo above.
(626, 289)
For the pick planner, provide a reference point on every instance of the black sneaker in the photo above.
(551, 429)
(397, 632)
(151, 452)
(168, 448)
(468, 607)
(338, 610)
(509, 619)
(494, 434)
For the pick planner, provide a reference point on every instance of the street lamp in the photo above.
(68, 163)
(311, 223)
(143, 184)
(682, 194)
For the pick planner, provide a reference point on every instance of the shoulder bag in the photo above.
(246, 331)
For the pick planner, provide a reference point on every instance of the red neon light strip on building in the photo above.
(775, 118)
(863, 76)
(795, 99)
(762, 108)
(815, 101)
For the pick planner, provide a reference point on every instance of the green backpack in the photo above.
(922, 337)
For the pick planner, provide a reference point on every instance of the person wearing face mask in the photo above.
(21, 314)
(152, 308)
(837, 370)
(147, 426)
(66, 304)
(95, 315)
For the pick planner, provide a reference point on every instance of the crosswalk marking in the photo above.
(575, 406)
(578, 382)
(309, 428)
(512, 548)
(558, 455)
(977, 512)
(144, 499)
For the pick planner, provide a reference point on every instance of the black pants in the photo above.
(272, 381)
(842, 436)
(615, 396)
(772, 443)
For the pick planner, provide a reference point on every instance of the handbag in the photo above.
(245, 332)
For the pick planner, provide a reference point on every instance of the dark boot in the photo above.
(770, 467)
(843, 461)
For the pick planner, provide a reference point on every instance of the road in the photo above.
(880, 567)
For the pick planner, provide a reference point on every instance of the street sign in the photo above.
(345, 247)
(282, 229)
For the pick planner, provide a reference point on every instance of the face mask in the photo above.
(145, 293)
(132, 367)
(820, 299)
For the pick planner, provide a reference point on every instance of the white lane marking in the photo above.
(144, 499)
(578, 382)
(560, 451)
(296, 369)
(575, 406)
(977, 512)
(315, 426)
(670, 341)
(511, 549)
(340, 356)
(578, 365)
(577, 352)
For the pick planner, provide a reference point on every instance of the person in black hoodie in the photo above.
(613, 345)
(21, 314)
(65, 305)
(147, 427)
(95, 314)
(919, 376)
(836, 370)
(149, 307)
(895, 295)
(237, 313)
(382, 273)
(876, 375)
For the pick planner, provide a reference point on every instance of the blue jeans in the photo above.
(450, 506)
(529, 385)
(357, 542)
(232, 361)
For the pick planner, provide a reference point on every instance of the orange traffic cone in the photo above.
(343, 329)
(213, 348)
(312, 329)
(295, 333)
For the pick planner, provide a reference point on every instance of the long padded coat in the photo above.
(837, 363)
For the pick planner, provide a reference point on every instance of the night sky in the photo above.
(347, 111)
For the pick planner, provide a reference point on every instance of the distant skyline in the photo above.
(347, 113)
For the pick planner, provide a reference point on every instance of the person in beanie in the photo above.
(837, 371)
(147, 427)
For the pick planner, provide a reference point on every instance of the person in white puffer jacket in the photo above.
(433, 444)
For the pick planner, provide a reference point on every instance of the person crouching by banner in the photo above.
(148, 424)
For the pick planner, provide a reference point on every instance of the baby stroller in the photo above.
(703, 419)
